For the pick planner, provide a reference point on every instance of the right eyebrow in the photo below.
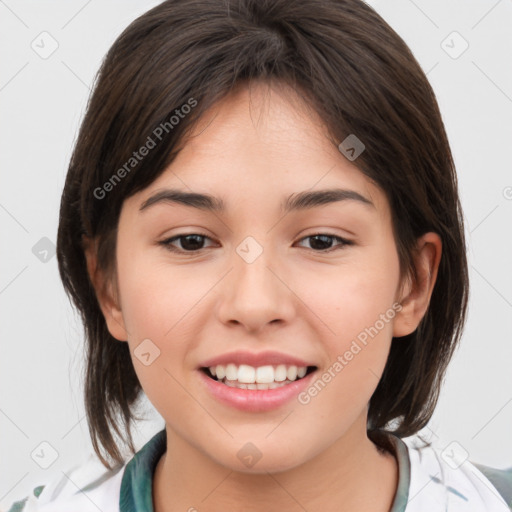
(192, 199)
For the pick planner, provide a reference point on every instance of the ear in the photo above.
(416, 297)
(106, 291)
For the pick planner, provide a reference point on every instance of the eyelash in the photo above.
(167, 242)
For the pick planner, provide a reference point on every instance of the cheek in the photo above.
(154, 295)
(159, 304)
(355, 304)
(353, 297)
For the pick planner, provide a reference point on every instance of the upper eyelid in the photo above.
(168, 240)
(316, 233)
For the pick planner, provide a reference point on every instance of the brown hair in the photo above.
(361, 78)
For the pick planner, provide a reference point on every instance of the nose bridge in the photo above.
(254, 295)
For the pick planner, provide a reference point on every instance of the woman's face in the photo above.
(256, 287)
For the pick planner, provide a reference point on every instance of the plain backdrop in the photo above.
(42, 100)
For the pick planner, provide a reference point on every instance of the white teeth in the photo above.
(220, 371)
(291, 373)
(264, 376)
(246, 374)
(271, 385)
(231, 372)
(280, 373)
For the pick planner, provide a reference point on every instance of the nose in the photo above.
(255, 294)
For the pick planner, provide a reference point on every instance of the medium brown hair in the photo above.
(353, 69)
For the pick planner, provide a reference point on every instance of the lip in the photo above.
(255, 400)
(268, 357)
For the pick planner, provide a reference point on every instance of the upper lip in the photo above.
(255, 359)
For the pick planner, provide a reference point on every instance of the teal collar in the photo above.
(137, 483)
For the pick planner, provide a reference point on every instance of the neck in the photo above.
(351, 474)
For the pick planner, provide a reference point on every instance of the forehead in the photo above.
(257, 145)
(270, 122)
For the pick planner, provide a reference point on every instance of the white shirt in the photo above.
(429, 481)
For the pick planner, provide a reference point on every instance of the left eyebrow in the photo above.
(307, 199)
(300, 201)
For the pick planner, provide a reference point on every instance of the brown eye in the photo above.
(322, 242)
(190, 242)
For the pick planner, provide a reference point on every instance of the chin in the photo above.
(264, 467)
(251, 460)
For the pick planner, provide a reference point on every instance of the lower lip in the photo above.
(255, 400)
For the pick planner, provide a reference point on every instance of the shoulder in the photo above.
(501, 479)
(447, 476)
(92, 487)
(83, 488)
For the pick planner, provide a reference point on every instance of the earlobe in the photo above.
(105, 292)
(417, 296)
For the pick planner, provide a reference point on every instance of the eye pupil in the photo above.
(194, 243)
(325, 242)
(197, 242)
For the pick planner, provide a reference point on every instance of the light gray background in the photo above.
(41, 104)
